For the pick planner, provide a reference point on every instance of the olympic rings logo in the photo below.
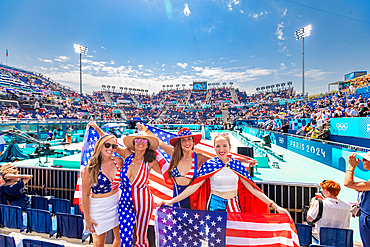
(342, 126)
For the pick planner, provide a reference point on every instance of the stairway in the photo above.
(209, 94)
(234, 96)
(134, 99)
(123, 114)
(107, 97)
(188, 98)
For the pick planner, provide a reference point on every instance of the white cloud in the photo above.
(282, 66)
(89, 56)
(241, 11)
(102, 47)
(312, 74)
(233, 61)
(197, 68)
(94, 51)
(256, 15)
(279, 31)
(284, 12)
(112, 62)
(293, 64)
(17, 56)
(186, 10)
(45, 60)
(230, 4)
(163, 65)
(182, 65)
(61, 58)
(140, 66)
(288, 55)
(210, 29)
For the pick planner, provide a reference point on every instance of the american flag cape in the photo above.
(177, 227)
(201, 147)
(159, 188)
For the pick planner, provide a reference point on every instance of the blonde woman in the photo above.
(102, 177)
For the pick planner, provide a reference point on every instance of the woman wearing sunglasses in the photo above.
(136, 202)
(185, 163)
(102, 177)
(225, 185)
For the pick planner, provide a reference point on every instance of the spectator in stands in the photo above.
(313, 133)
(354, 112)
(364, 187)
(364, 110)
(37, 104)
(101, 177)
(336, 213)
(14, 188)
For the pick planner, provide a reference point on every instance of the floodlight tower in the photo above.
(81, 50)
(301, 34)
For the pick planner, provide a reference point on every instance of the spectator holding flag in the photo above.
(185, 163)
(102, 177)
(136, 202)
(225, 185)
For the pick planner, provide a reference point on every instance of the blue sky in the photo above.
(146, 44)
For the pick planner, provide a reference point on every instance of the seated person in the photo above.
(14, 186)
(336, 213)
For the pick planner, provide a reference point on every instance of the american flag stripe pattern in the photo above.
(233, 205)
(198, 228)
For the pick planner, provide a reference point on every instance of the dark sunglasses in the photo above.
(107, 145)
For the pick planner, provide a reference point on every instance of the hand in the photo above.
(92, 124)
(90, 223)
(141, 127)
(352, 160)
(281, 210)
(166, 202)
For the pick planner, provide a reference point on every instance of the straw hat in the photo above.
(6, 167)
(128, 141)
(364, 155)
(185, 132)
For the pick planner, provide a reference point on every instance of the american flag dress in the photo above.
(136, 204)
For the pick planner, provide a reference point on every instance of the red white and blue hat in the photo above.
(185, 132)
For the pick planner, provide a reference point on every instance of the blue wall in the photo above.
(327, 154)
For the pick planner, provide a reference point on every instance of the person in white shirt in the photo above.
(336, 213)
(354, 112)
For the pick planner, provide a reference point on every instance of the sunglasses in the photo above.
(107, 145)
(143, 141)
(223, 134)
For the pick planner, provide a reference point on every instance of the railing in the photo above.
(61, 183)
(292, 196)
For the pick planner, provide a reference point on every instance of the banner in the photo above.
(354, 127)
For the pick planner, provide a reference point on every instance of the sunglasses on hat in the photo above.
(107, 145)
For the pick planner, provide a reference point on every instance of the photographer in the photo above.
(14, 186)
(335, 213)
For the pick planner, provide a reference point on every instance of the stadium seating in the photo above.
(39, 243)
(11, 217)
(304, 234)
(69, 225)
(336, 237)
(7, 241)
(39, 202)
(39, 221)
(60, 206)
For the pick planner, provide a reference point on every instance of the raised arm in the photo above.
(186, 193)
(348, 179)
(264, 198)
(167, 148)
(25, 178)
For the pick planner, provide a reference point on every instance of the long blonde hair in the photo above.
(95, 162)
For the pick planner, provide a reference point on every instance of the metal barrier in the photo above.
(61, 183)
(292, 196)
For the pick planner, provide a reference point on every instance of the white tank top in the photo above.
(225, 180)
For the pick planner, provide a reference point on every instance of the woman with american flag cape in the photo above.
(223, 184)
(184, 164)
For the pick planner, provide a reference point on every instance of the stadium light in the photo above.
(301, 34)
(80, 50)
